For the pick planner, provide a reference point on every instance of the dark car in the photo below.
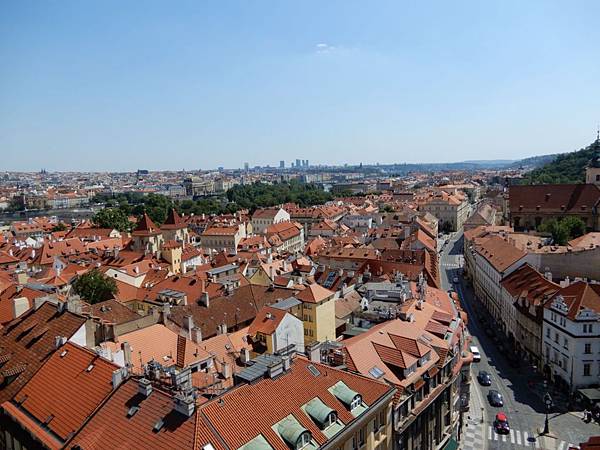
(495, 398)
(501, 424)
(484, 378)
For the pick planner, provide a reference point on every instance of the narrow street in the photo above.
(521, 388)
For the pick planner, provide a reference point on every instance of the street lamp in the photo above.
(548, 403)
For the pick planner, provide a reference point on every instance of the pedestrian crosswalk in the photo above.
(516, 437)
(521, 438)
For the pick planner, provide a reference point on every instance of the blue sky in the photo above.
(171, 85)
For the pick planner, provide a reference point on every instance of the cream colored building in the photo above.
(450, 209)
(219, 238)
(147, 237)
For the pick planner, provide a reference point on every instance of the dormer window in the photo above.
(356, 402)
(293, 433)
(352, 399)
(320, 413)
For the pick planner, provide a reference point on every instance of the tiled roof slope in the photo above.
(553, 197)
(238, 308)
(146, 227)
(29, 340)
(68, 388)
(526, 282)
(111, 428)
(579, 295)
(498, 252)
(173, 222)
(256, 407)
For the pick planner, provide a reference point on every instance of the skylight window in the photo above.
(312, 369)
(376, 372)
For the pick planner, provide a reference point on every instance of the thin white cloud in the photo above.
(324, 48)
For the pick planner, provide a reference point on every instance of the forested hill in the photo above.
(565, 168)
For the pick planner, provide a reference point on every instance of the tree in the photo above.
(388, 209)
(575, 226)
(114, 218)
(564, 229)
(94, 287)
(60, 226)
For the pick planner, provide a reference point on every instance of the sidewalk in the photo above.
(473, 432)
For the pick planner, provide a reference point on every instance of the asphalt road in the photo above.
(523, 403)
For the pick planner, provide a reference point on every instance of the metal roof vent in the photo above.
(158, 425)
(132, 411)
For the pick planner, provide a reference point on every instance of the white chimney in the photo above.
(144, 387)
(188, 322)
(20, 306)
(245, 356)
(196, 335)
(117, 378)
(126, 353)
(226, 370)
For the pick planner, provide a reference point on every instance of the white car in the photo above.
(455, 280)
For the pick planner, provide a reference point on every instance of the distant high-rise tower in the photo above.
(246, 166)
(298, 163)
(282, 164)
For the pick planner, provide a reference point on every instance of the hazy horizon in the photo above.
(113, 86)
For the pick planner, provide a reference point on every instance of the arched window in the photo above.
(303, 440)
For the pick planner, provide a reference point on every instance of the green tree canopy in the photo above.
(60, 226)
(112, 218)
(94, 287)
(564, 230)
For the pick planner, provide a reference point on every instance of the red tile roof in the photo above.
(498, 252)
(30, 339)
(255, 408)
(578, 296)
(267, 320)
(146, 227)
(67, 388)
(173, 222)
(555, 198)
(314, 293)
(111, 428)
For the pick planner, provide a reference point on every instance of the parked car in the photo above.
(501, 424)
(476, 355)
(495, 398)
(484, 378)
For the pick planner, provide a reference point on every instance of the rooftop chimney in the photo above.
(245, 355)
(117, 378)
(205, 299)
(20, 306)
(126, 353)
(196, 335)
(145, 387)
(188, 322)
(184, 403)
(59, 341)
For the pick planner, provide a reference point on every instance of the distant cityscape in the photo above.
(350, 307)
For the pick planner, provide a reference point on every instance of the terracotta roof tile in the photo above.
(66, 389)
(111, 428)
